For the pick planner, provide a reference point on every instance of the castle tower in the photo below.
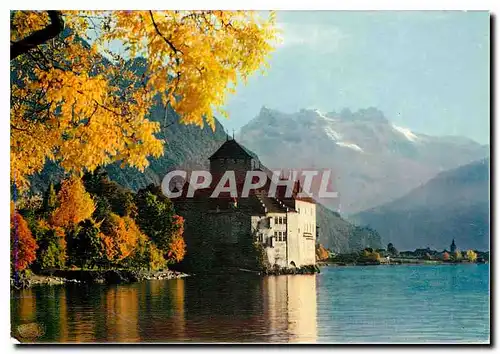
(231, 156)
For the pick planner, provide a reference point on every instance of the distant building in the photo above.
(285, 226)
(453, 247)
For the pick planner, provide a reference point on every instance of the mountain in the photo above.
(373, 160)
(340, 235)
(453, 205)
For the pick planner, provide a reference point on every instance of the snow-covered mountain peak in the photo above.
(406, 132)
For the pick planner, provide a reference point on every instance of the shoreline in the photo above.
(416, 262)
(125, 276)
(108, 277)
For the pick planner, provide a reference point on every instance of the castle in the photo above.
(216, 230)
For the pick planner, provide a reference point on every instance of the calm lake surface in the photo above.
(374, 304)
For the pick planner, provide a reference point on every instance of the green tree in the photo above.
(51, 242)
(85, 245)
(157, 219)
(146, 256)
(110, 197)
(457, 256)
(49, 200)
(392, 250)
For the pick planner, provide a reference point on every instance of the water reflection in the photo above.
(291, 307)
(216, 309)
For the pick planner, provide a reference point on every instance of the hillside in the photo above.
(453, 205)
(340, 235)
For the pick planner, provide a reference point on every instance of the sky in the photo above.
(427, 71)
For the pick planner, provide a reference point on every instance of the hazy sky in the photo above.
(427, 71)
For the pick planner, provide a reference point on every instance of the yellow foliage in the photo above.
(75, 204)
(82, 111)
(471, 256)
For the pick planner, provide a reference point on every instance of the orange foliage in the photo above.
(109, 247)
(23, 245)
(75, 204)
(321, 253)
(122, 237)
(446, 256)
(177, 246)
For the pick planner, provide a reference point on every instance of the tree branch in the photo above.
(39, 37)
(170, 44)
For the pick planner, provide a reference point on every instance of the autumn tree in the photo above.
(76, 102)
(121, 237)
(446, 256)
(369, 255)
(321, 253)
(176, 249)
(471, 256)
(457, 256)
(23, 245)
(75, 204)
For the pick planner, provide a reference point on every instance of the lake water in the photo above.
(373, 304)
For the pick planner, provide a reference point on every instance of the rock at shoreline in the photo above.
(115, 276)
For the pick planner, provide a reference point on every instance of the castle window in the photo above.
(284, 237)
(275, 233)
(276, 220)
(284, 220)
